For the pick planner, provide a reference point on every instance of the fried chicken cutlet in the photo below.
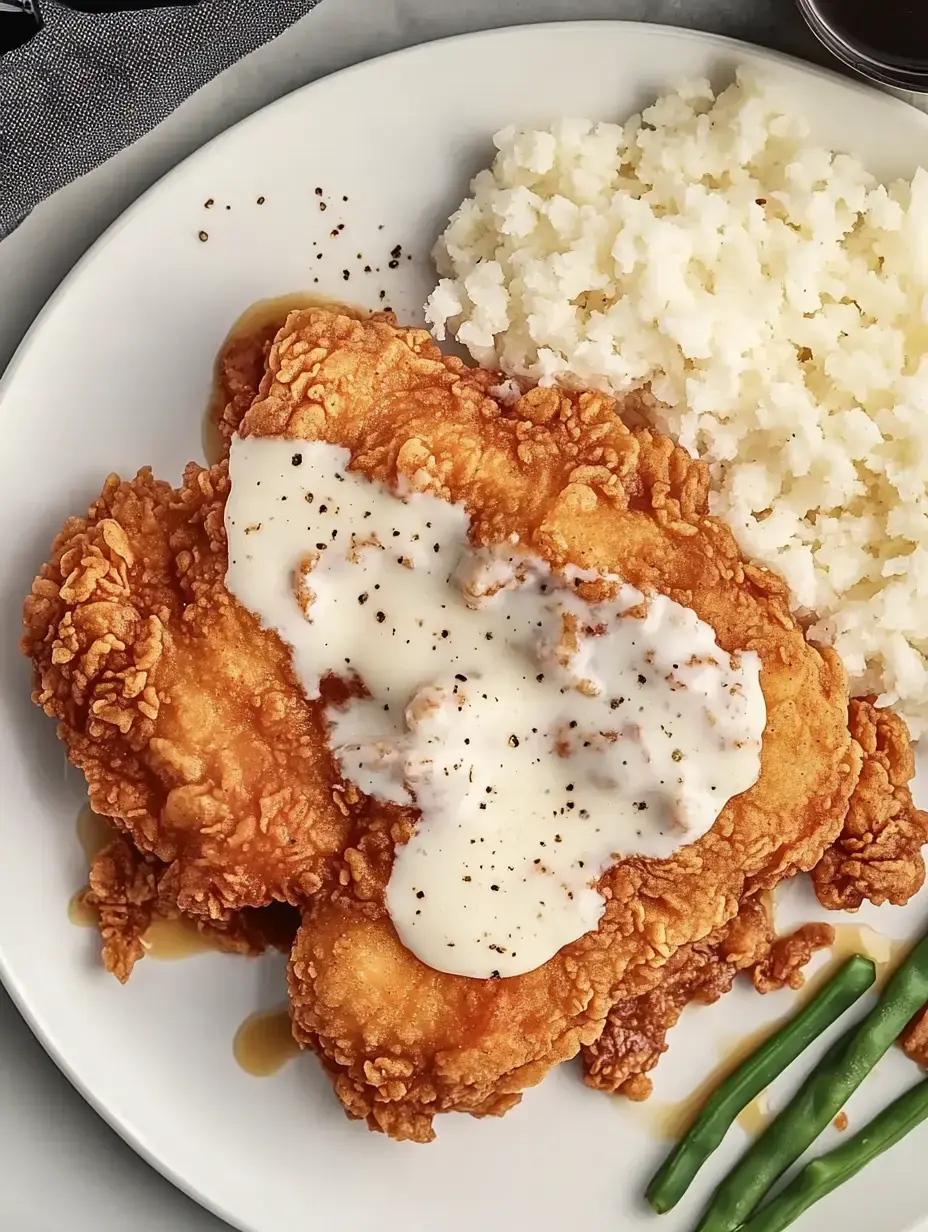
(878, 855)
(182, 712)
(241, 362)
(635, 1035)
(877, 858)
(127, 892)
(401, 1040)
(129, 889)
(560, 470)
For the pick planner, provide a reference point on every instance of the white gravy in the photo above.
(540, 737)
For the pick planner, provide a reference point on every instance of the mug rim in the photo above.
(883, 71)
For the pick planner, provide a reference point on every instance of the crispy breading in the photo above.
(782, 966)
(561, 471)
(241, 362)
(239, 368)
(183, 714)
(192, 729)
(635, 1033)
(878, 856)
(914, 1039)
(128, 891)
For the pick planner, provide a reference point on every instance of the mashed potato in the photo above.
(774, 297)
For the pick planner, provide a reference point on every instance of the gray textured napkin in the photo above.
(87, 85)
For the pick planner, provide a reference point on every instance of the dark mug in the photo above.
(885, 40)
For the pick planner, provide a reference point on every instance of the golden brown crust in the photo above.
(128, 891)
(183, 714)
(121, 895)
(634, 1036)
(560, 470)
(878, 856)
(914, 1039)
(239, 369)
(191, 729)
(782, 966)
(243, 358)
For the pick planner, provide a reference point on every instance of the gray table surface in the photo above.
(61, 1167)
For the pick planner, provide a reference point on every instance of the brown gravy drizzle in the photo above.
(164, 939)
(80, 915)
(264, 316)
(755, 1116)
(863, 939)
(671, 1120)
(264, 1042)
(169, 940)
(93, 831)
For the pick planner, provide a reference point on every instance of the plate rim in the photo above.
(724, 43)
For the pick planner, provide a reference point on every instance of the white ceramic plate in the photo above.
(114, 375)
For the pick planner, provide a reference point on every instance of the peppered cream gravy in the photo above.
(540, 736)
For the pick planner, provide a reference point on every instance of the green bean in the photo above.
(676, 1174)
(820, 1099)
(826, 1173)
